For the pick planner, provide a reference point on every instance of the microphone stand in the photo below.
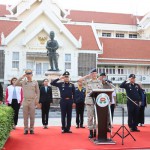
(123, 127)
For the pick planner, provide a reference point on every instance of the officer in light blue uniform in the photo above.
(67, 94)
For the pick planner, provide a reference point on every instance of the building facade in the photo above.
(117, 44)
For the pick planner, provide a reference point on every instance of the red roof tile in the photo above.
(103, 17)
(86, 32)
(3, 11)
(125, 48)
(7, 27)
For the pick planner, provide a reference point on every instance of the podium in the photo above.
(101, 98)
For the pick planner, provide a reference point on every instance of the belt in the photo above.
(67, 98)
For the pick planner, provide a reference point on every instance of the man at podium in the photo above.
(91, 82)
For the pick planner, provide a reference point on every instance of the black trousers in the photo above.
(112, 107)
(45, 112)
(79, 113)
(141, 114)
(133, 114)
(16, 106)
(66, 111)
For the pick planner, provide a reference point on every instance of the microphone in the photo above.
(109, 83)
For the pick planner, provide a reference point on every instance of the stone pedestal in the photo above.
(51, 75)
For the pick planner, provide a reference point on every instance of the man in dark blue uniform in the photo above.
(133, 92)
(67, 94)
(80, 93)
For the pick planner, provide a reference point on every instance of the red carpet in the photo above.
(53, 139)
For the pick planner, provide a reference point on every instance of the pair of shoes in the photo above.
(81, 126)
(31, 132)
(77, 126)
(25, 132)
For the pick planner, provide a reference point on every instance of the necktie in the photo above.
(46, 89)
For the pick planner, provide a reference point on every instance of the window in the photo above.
(67, 61)
(106, 34)
(120, 35)
(132, 35)
(38, 68)
(67, 57)
(15, 60)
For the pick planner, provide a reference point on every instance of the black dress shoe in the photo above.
(26, 132)
(81, 126)
(68, 131)
(77, 126)
(31, 132)
(137, 130)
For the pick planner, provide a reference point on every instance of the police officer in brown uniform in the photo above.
(31, 98)
(91, 82)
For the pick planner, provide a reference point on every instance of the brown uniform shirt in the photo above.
(30, 89)
(90, 85)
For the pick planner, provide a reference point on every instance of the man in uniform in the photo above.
(67, 94)
(91, 82)
(80, 93)
(1, 94)
(134, 93)
(31, 98)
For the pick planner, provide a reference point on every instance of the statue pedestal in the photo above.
(51, 75)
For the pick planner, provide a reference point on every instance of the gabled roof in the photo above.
(4, 11)
(7, 26)
(33, 16)
(87, 35)
(103, 17)
(125, 49)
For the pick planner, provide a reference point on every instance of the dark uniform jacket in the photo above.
(1, 92)
(80, 95)
(45, 96)
(133, 91)
(144, 98)
(67, 90)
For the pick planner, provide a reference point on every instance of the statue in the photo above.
(52, 46)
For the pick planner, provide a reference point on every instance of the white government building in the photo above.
(117, 44)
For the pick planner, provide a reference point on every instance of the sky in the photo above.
(137, 7)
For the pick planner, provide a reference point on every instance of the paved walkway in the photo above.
(57, 121)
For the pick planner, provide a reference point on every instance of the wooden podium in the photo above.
(101, 100)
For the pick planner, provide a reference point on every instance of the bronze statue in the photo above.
(52, 46)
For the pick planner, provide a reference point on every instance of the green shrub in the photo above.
(6, 123)
(120, 98)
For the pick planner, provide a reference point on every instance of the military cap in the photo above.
(66, 73)
(28, 71)
(132, 76)
(93, 70)
(103, 74)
